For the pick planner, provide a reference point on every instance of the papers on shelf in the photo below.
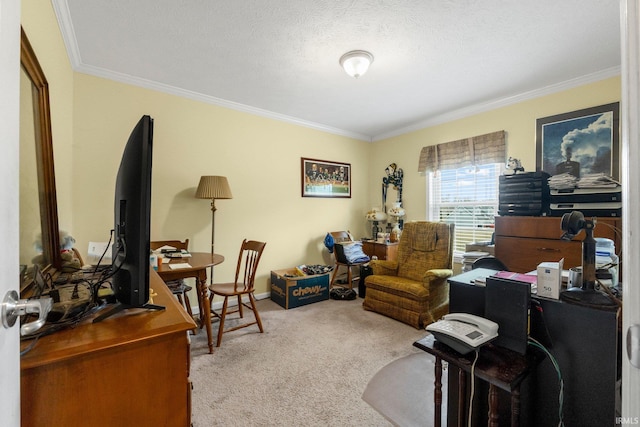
(522, 277)
(468, 258)
(179, 266)
(566, 181)
(597, 180)
(563, 181)
(181, 254)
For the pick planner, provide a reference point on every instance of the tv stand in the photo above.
(118, 307)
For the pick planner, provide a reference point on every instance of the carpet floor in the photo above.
(310, 367)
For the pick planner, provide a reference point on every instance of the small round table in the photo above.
(198, 264)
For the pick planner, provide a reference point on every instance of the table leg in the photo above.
(437, 393)
(515, 407)
(493, 406)
(205, 308)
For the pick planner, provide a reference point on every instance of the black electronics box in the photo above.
(524, 194)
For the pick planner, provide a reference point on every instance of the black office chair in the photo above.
(490, 262)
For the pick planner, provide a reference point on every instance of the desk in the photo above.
(586, 345)
(383, 250)
(501, 368)
(199, 262)
(131, 369)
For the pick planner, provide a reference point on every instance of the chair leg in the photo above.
(334, 275)
(240, 306)
(252, 301)
(349, 278)
(187, 304)
(223, 314)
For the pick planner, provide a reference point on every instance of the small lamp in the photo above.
(375, 216)
(396, 212)
(213, 187)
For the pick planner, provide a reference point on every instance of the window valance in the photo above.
(477, 150)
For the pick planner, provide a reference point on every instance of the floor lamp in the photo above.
(213, 187)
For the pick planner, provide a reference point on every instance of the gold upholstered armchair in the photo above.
(414, 289)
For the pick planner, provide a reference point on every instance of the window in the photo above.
(467, 197)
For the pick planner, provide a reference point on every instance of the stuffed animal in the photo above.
(514, 165)
(70, 262)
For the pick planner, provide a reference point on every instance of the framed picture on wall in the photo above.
(322, 178)
(581, 142)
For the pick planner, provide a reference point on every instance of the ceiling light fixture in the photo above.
(356, 62)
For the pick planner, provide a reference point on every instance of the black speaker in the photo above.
(507, 303)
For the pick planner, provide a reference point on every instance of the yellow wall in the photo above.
(92, 118)
(260, 157)
(518, 120)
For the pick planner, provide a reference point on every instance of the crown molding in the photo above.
(66, 27)
(501, 102)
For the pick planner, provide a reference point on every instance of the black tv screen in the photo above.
(132, 218)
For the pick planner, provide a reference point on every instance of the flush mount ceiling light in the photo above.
(356, 62)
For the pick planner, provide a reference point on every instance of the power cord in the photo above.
(473, 384)
(533, 342)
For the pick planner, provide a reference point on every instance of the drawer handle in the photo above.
(548, 250)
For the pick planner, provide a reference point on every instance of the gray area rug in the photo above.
(310, 367)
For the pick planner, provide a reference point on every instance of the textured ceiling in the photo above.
(434, 59)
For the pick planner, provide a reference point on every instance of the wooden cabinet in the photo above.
(131, 369)
(523, 242)
(385, 251)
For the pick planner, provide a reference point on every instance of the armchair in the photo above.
(414, 289)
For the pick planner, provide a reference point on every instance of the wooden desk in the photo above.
(130, 369)
(199, 262)
(384, 251)
(501, 368)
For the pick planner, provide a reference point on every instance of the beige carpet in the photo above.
(310, 367)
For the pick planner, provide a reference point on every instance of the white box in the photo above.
(550, 279)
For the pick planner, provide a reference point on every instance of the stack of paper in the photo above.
(468, 258)
(563, 181)
(597, 180)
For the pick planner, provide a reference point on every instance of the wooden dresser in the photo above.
(523, 242)
(131, 369)
(384, 251)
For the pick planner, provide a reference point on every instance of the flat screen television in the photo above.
(132, 222)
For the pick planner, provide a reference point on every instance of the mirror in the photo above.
(39, 236)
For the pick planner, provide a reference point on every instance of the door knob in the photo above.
(12, 307)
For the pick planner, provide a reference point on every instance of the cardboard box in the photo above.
(550, 279)
(290, 290)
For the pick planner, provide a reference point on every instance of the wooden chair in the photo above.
(178, 287)
(341, 260)
(248, 259)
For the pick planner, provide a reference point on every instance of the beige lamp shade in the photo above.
(213, 187)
